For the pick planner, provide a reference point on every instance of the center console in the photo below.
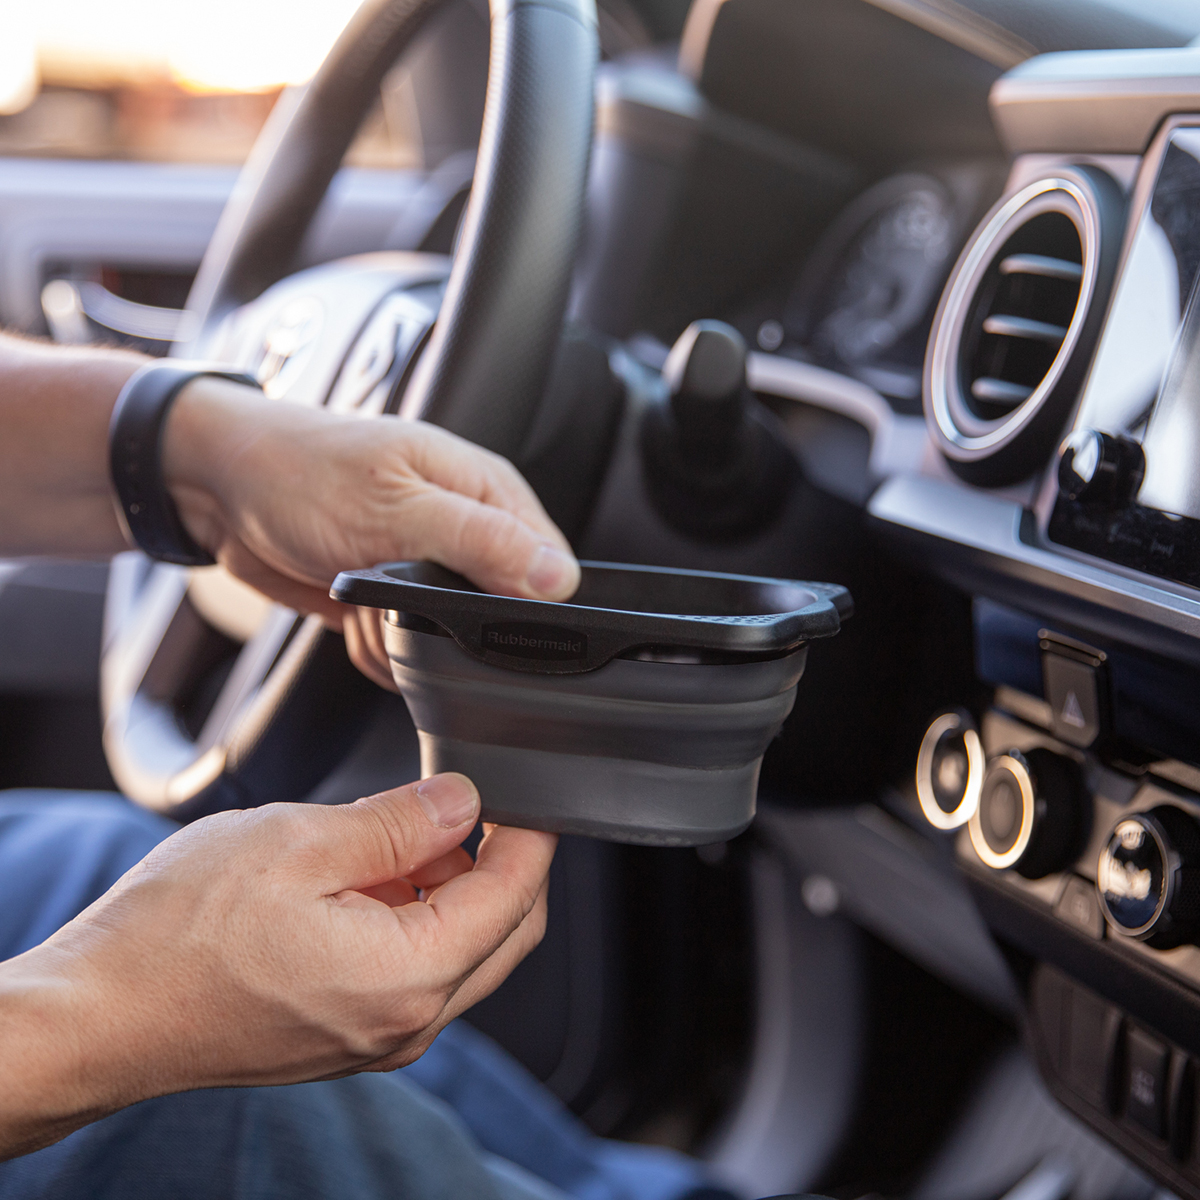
(1062, 398)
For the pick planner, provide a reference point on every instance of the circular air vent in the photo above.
(1018, 322)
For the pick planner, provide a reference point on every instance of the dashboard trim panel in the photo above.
(1094, 101)
(981, 542)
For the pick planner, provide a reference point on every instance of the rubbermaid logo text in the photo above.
(523, 639)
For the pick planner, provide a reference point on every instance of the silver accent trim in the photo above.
(1094, 101)
(934, 813)
(1002, 860)
(1043, 265)
(988, 527)
(999, 391)
(1024, 327)
(898, 443)
(959, 434)
(1169, 859)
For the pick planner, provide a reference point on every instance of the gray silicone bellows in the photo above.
(635, 723)
(664, 753)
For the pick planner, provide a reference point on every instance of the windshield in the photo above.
(169, 81)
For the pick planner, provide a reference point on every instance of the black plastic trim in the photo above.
(735, 614)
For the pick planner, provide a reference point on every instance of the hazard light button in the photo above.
(1074, 691)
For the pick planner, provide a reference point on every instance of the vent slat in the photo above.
(1003, 343)
(1043, 265)
(1024, 327)
(999, 391)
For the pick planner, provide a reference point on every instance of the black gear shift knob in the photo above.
(707, 365)
(706, 374)
(714, 468)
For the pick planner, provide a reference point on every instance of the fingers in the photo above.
(362, 629)
(370, 624)
(477, 911)
(304, 597)
(390, 836)
(493, 971)
(395, 894)
(533, 558)
(443, 870)
(478, 983)
(398, 892)
(459, 466)
(471, 931)
(386, 489)
(492, 547)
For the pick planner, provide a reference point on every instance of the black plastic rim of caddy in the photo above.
(562, 639)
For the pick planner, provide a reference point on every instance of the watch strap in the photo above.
(144, 506)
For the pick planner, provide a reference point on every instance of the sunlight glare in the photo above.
(18, 61)
(222, 45)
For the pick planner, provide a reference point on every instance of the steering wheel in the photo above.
(213, 697)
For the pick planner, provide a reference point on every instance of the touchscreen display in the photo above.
(1145, 383)
(1151, 298)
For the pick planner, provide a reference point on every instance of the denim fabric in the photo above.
(513, 1115)
(465, 1121)
(361, 1138)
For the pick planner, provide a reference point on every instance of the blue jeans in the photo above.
(465, 1122)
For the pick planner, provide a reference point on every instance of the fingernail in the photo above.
(551, 572)
(448, 800)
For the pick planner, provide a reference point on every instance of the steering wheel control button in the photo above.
(381, 357)
(1079, 907)
(1031, 815)
(639, 712)
(1147, 1062)
(950, 769)
(1076, 688)
(1100, 468)
(1148, 877)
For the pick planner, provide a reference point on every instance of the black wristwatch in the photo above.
(144, 506)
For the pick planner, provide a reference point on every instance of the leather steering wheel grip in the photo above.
(481, 376)
(486, 366)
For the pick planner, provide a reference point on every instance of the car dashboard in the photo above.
(1060, 401)
(993, 356)
(979, 338)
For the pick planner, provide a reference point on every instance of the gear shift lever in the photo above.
(714, 469)
(706, 374)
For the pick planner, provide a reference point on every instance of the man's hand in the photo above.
(281, 944)
(287, 497)
(284, 496)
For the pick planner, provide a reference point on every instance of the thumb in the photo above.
(394, 833)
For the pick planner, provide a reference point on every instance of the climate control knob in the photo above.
(1100, 468)
(1148, 877)
(1031, 815)
(950, 766)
